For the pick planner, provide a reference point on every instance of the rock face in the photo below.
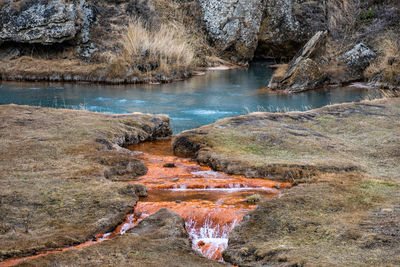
(45, 21)
(275, 28)
(233, 26)
(287, 25)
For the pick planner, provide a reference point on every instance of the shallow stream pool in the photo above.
(191, 103)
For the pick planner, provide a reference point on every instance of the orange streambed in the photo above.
(210, 202)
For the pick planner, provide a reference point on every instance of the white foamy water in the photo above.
(207, 174)
(229, 190)
(209, 233)
(361, 85)
(202, 112)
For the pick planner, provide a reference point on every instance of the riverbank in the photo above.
(57, 173)
(345, 160)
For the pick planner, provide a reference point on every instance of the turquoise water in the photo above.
(197, 101)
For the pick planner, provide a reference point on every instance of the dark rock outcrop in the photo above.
(45, 21)
(287, 25)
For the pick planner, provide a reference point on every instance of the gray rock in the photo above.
(287, 25)
(306, 75)
(233, 26)
(45, 21)
(358, 58)
(310, 50)
(303, 73)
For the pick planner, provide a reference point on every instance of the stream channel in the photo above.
(210, 202)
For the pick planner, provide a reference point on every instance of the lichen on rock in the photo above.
(233, 26)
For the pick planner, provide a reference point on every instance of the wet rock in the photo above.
(277, 186)
(45, 21)
(233, 26)
(358, 59)
(162, 224)
(169, 165)
(254, 198)
(185, 147)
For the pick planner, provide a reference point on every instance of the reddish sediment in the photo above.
(210, 202)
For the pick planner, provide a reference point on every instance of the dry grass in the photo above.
(29, 65)
(3, 3)
(53, 190)
(280, 71)
(334, 216)
(292, 139)
(162, 50)
(320, 224)
(387, 64)
(188, 15)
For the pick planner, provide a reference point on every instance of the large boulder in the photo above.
(45, 21)
(303, 73)
(306, 75)
(233, 26)
(287, 25)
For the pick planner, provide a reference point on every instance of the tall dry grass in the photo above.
(387, 64)
(164, 49)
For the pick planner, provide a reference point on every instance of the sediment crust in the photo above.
(57, 168)
(160, 239)
(335, 215)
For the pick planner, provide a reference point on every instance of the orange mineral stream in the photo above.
(210, 202)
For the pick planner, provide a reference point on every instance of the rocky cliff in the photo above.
(362, 44)
(84, 39)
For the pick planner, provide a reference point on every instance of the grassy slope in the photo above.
(330, 218)
(52, 187)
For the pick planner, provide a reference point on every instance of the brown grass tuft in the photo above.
(387, 64)
(164, 49)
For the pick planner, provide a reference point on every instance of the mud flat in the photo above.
(345, 161)
(57, 174)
